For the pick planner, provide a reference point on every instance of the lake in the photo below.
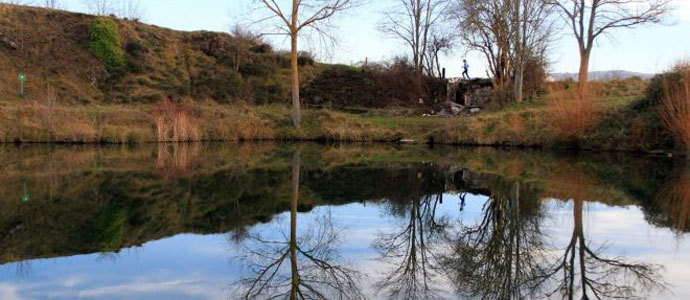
(306, 221)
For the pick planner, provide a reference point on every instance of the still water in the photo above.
(274, 221)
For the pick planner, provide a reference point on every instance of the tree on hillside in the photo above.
(589, 19)
(100, 7)
(20, 2)
(532, 29)
(415, 22)
(294, 19)
(440, 43)
(507, 32)
(53, 4)
(132, 10)
(485, 26)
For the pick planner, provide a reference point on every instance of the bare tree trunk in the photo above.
(296, 162)
(583, 83)
(294, 71)
(519, 51)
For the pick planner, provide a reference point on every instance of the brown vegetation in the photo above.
(570, 114)
(175, 123)
(675, 105)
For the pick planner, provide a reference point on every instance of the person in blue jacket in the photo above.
(466, 68)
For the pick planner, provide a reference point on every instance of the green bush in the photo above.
(104, 41)
(343, 86)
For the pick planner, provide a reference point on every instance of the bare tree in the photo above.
(132, 10)
(441, 43)
(20, 2)
(586, 273)
(293, 20)
(306, 267)
(486, 26)
(532, 27)
(413, 251)
(589, 19)
(413, 22)
(100, 7)
(501, 255)
(52, 4)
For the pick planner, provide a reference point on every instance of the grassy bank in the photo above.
(615, 124)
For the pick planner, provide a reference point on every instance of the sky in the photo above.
(648, 49)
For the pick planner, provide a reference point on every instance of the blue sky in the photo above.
(648, 49)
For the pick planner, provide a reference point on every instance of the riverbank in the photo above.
(615, 125)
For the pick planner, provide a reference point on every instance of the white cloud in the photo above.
(10, 292)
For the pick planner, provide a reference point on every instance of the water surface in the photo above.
(267, 221)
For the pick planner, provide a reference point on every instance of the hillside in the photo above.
(54, 49)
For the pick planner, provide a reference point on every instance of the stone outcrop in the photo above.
(475, 93)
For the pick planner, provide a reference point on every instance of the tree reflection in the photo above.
(292, 267)
(414, 250)
(501, 255)
(586, 273)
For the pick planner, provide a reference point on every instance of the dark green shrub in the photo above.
(256, 69)
(135, 65)
(220, 85)
(305, 59)
(283, 60)
(261, 48)
(344, 86)
(104, 41)
(267, 92)
(657, 86)
(135, 48)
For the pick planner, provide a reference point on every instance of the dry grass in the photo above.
(175, 123)
(675, 105)
(571, 115)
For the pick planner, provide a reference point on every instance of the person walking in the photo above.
(466, 68)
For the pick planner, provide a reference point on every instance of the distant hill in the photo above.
(602, 75)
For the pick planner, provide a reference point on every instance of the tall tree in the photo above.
(507, 32)
(131, 9)
(298, 267)
(532, 29)
(295, 18)
(589, 19)
(54, 4)
(101, 7)
(414, 22)
(486, 26)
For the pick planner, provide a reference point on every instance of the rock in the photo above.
(407, 141)
(5, 42)
(475, 110)
(448, 109)
(473, 93)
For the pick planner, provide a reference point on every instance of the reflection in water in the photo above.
(586, 272)
(675, 201)
(413, 249)
(501, 255)
(491, 239)
(314, 271)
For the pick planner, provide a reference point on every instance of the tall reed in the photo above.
(175, 123)
(674, 108)
(571, 115)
